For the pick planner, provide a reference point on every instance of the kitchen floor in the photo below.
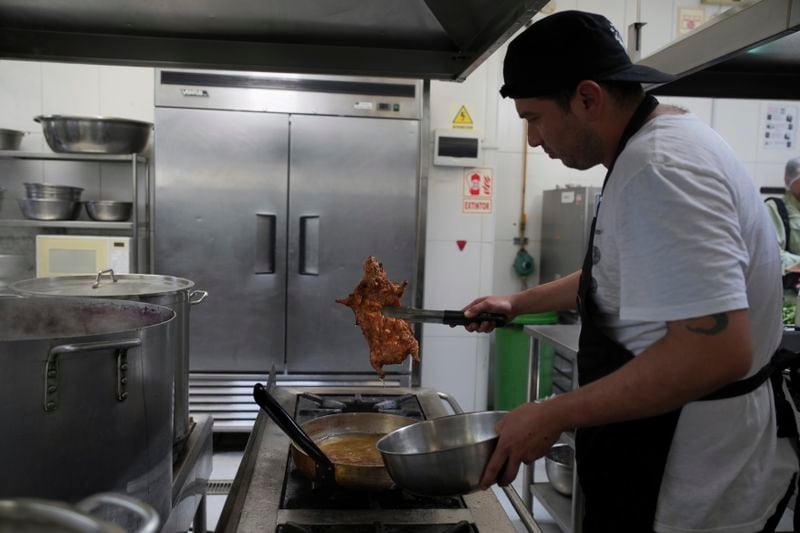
(230, 448)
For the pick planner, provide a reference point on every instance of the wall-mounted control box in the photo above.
(456, 148)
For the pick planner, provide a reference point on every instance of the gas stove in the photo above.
(270, 494)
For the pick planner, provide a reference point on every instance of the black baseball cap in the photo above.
(558, 51)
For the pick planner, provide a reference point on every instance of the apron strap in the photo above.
(782, 359)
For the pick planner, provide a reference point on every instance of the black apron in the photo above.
(620, 465)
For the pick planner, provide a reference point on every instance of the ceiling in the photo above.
(429, 39)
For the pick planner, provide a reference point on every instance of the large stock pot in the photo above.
(176, 293)
(30, 515)
(85, 399)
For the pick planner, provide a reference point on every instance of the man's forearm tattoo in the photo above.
(720, 323)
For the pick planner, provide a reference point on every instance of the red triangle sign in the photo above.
(461, 245)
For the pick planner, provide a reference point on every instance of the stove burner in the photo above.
(377, 527)
(298, 493)
(311, 406)
(358, 404)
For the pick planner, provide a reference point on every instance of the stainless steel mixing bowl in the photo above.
(441, 457)
(45, 209)
(47, 191)
(559, 465)
(10, 139)
(109, 211)
(103, 135)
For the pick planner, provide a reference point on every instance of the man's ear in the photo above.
(589, 100)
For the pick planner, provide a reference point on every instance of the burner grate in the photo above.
(298, 493)
(311, 406)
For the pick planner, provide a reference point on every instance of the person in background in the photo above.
(785, 215)
(678, 429)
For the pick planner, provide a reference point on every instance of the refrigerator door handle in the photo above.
(309, 245)
(265, 244)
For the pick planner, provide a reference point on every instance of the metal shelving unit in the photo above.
(135, 161)
(558, 505)
(567, 512)
(66, 224)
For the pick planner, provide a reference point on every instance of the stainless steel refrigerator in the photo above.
(270, 191)
(566, 220)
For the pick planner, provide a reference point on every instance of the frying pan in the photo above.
(357, 471)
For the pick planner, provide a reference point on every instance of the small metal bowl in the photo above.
(558, 464)
(109, 211)
(10, 139)
(47, 191)
(44, 209)
(95, 135)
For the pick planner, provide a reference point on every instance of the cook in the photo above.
(679, 297)
(785, 215)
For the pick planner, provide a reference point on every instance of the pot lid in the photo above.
(107, 285)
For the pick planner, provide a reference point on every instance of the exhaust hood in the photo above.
(429, 39)
(750, 51)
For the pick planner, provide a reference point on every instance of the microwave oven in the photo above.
(69, 255)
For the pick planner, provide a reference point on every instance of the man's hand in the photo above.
(488, 304)
(794, 268)
(526, 434)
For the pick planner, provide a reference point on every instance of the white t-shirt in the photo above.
(682, 233)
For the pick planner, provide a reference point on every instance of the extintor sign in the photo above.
(478, 190)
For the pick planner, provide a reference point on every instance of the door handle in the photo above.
(265, 244)
(309, 245)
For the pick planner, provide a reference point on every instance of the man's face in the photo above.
(562, 134)
(795, 188)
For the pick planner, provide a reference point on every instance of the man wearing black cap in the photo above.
(682, 424)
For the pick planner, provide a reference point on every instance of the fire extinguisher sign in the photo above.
(478, 190)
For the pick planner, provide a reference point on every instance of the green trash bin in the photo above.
(511, 362)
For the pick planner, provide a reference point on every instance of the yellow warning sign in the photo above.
(462, 119)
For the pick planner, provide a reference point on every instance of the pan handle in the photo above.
(511, 493)
(300, 438)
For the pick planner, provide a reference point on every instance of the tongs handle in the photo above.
(457, 318)
(324, 466)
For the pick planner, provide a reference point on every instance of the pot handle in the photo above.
(100, 275)
(148, 515)
(51, 365)
(511, 493)
(202, 295)
(324, 466)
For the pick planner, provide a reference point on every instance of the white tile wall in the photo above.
(450, 364)
(127, 92)
(737, 121)
(69, 89)
(21, 97)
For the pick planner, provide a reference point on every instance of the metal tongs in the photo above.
(451, 318)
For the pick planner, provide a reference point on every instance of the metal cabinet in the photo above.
(566, 511)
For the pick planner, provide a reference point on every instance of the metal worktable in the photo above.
(567, 512)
